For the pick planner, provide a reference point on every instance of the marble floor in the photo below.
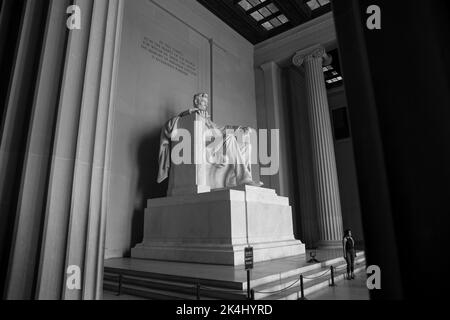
(108, 295)
(219, 272)
(345, 290)
(232, 277)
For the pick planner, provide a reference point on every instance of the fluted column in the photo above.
(324, 160)
(41, 105)
(275, 120)
(55, 143)
(75, 213)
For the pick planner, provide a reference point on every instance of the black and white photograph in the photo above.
(225, 155)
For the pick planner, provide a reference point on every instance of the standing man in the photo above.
(349, 253)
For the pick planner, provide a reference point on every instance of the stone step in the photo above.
(312, 286)
(164, 287)
(112, 296)
(302, 270)
(184, 283)
(268, 288)
(189, 289)
(148, 293)
(233, 285)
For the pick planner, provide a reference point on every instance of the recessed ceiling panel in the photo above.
(258, 20)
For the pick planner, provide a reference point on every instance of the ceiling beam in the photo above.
(241, 13)
(268, 18)
(322, 10)
(235, 18)
(259, 6)
(229, 11)
(295, 10)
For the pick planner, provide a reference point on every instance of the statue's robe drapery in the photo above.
(165, 147)
(229, 163)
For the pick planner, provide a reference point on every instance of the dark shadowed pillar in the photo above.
(55, 139)
(400, 115)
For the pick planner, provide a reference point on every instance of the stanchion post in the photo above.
(332, 277)
(249, 293)
(252, 294)
(119, 291)
(302, 288)
(198, 290)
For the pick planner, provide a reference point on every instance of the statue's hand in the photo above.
(203, 113)
(191, 111)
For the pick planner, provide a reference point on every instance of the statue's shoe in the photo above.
(253, 183)
(259, 184)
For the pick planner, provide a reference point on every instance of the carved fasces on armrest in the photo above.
(187, 174)
(190, 132)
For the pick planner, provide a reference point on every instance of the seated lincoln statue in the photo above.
(225, 150)
(192, 224)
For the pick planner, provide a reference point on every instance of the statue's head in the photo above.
(201, 101)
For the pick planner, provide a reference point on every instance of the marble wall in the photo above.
(165, 58)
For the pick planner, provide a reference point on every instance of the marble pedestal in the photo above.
(215, 227)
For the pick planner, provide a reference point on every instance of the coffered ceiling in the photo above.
(258, 20)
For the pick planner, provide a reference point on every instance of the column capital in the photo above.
(315, 52)
(269, 65)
